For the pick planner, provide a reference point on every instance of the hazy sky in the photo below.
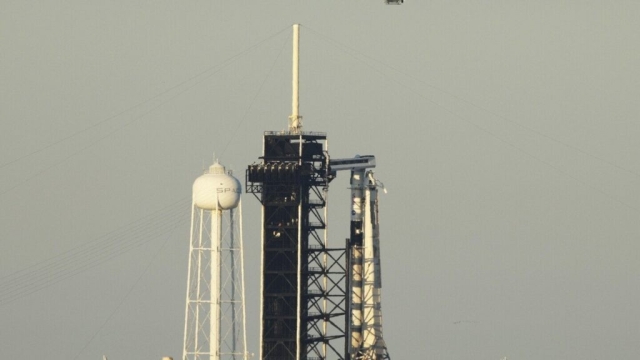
(505, 131)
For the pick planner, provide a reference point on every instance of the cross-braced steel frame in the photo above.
(303, 285)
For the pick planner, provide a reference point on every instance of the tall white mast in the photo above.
(295, 120)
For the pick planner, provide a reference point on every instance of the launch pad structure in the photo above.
(302, 289)
(317, 301)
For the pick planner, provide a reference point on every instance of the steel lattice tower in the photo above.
(317, 302)
(303, 294)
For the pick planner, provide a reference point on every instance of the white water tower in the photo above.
(214, 326)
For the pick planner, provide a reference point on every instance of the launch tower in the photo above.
(317, 302)
(303, 301)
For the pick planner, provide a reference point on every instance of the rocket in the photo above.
(364, 282)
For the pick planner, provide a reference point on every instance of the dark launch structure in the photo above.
(303, 292)
(317, 302)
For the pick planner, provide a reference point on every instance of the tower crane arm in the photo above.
(360, 162)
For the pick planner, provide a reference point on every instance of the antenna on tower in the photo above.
(295, 120)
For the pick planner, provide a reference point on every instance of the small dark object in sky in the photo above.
(394, 2)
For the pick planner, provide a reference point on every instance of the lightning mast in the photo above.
(295, 120)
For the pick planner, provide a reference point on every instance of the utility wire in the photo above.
(63, 271)
(127, 226)
(135, 119)
(523, 126)
(255, 97)
(218, 66)
(84, 257)
(117, 308)
(70, 266)
(482, 129)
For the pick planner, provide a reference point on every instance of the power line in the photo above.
(523, 126)
(217, 68)
(84, 257)
(135, 119)
(338, 45)
(255, 97)
(126, 295)
(62, 271)
(127, 226)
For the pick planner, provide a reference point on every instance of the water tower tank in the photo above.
(216, 190)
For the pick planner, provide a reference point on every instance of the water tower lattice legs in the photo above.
(214, 310)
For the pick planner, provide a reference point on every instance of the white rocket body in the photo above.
(364, 325)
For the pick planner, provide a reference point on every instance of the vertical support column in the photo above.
(325, 268)
(214, 304)
(303, 221)
(232, 260)
(198, 287)
(299, 331)
(261, 352)
(188, 299)
(245, 353)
